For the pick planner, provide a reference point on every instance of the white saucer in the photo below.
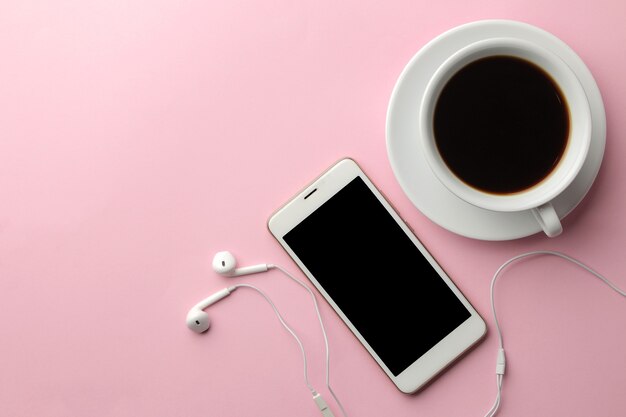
(417, 180)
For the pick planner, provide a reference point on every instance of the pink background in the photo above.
(139, 138)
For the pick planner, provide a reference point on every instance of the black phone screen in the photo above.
(377, 276)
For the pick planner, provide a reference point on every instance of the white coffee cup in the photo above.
(538, 197)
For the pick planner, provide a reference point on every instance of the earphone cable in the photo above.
(286, 326)
(501, 361)
(319, 317)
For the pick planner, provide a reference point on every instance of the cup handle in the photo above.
(548, 219)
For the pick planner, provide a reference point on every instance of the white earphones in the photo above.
(225, 264)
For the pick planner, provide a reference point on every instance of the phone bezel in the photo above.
(317, 193)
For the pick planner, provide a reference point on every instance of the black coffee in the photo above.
(501, 124)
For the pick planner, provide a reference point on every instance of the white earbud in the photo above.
(224, 263)
(198, 320)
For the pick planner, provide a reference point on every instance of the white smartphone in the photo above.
(377, 276)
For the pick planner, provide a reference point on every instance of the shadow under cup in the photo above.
(506, 126)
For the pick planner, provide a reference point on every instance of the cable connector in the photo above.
(501, 363)
(321, 404)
